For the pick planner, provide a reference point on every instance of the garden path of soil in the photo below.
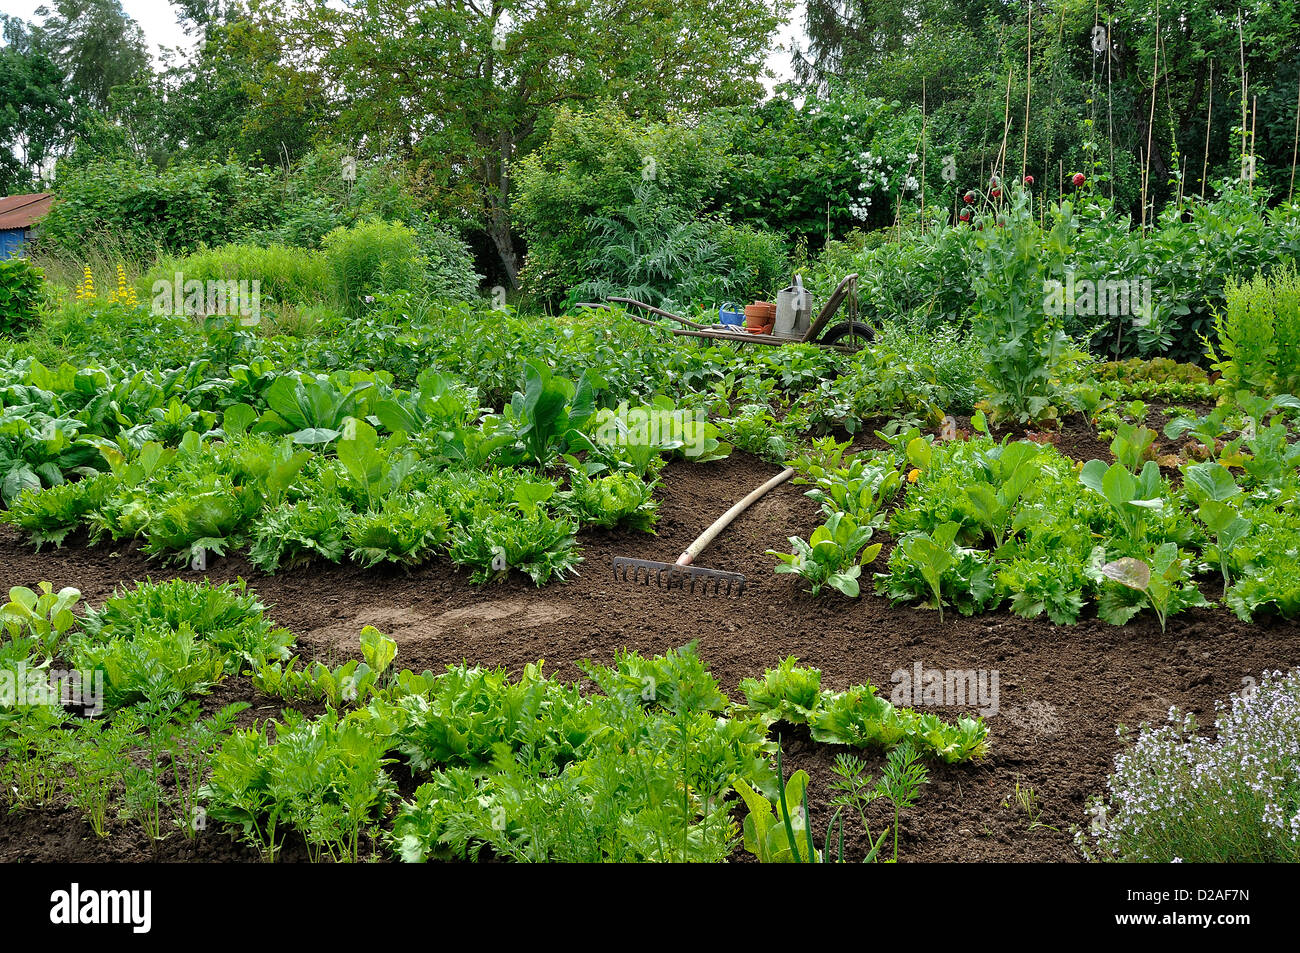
(1063, 690)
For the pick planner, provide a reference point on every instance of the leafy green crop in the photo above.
(224, 616)
(931, 567)
(404, 529)
(788, 693)
(778, 833)
(377, 469)
(617, 499)
(44, 617)
(858, 716)
(293, 535)
(1131, 498)
(495, 541)
(1213, 488)
(49, 515)
(549, 415)
(1162, 582)
(326, 778)
(833, 557)
(312, 410)
(352, 682)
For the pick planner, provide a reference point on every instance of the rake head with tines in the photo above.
(710, 582)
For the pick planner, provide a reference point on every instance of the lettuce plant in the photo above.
(833, 556)
(495, 541)
(789, 692)
(404, 529)
(617, 499)
(1211, 486)
(1162, 581)
(931, 566)
(45, 617)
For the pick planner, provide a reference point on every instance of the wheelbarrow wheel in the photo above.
(849, 333)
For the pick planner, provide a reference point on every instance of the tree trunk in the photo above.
(498, 230)
(499, 150)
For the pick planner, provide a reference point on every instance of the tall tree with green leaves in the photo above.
(35, 116)
(96, 45)
(464, 88)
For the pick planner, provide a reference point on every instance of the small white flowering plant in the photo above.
(1180, 797)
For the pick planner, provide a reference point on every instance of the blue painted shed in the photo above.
(19, 215)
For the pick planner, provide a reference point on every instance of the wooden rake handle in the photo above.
(725, 520)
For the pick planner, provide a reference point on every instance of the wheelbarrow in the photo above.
(848, 335)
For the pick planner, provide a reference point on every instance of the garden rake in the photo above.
(685, 576)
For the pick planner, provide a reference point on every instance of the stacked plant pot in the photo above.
(760, 317)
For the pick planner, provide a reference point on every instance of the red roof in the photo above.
(23, 211)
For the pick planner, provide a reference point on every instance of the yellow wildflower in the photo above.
(125, 293)
(913, 476)
(86, 289)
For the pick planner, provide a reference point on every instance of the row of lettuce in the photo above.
(294, 467)
(644, 767)
(980, 523)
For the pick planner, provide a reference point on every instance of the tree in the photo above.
(96, 45)
(1096, 89)
(34, 117)
(230, 97)
(465, 87)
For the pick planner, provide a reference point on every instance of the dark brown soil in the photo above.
(1063, 689)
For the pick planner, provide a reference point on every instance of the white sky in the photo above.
(161, 28)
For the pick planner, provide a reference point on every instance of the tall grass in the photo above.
(102, 253)
(296, 276)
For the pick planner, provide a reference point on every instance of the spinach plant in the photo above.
(1212, 487)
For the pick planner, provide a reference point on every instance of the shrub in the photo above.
(179, 208)
(1258, 334)
(1178, 797)
(20, 293)
(589, 167)
(813, 164)
(757, 262)
(449, 269)
(376, 257)
(654, 252)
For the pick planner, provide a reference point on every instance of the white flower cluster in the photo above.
(869, 167)
(1175, 794)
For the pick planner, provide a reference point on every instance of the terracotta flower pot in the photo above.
(759, 317)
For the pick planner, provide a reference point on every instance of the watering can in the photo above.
(793, 310)
(730, 313)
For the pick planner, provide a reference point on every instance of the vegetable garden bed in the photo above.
(1063, 689)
